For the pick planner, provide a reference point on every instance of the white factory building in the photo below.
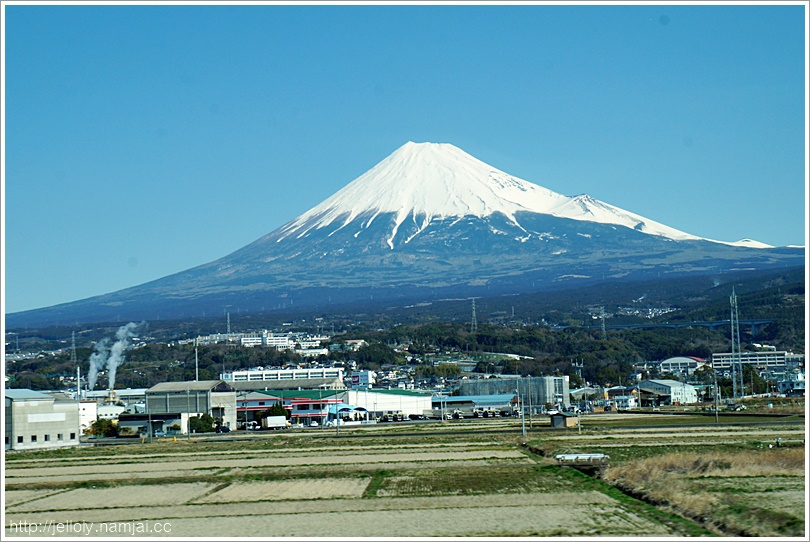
(768, 359)
(407, 402)
(667, 392)
(261, 374)
(40, 421)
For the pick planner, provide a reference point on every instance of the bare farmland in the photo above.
(436, 482)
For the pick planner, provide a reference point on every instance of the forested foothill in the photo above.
(549, 332)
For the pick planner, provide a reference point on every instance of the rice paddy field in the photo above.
(462, 478)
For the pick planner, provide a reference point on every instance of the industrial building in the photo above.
(307, 406)
(534, 391)
(768, 359)
(174, 402)
(475, 405)
(681, 365)
(288, 385)
(667, 392)
(304, 406)
(793, 384)
(40, 421)
(381, 401)
(260, 374)
(126, 396)
(88, 413)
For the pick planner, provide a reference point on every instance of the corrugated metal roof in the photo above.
(24, 394)
(200, 385)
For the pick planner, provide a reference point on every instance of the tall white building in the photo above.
(762, 360)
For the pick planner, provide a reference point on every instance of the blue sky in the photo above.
(141, 141)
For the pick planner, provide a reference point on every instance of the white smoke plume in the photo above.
(123, 335)
(112, 357)
(97, 361)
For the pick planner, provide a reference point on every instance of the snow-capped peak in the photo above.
(426, 181)
(749, 243)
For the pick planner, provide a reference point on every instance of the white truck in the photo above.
(275, 422)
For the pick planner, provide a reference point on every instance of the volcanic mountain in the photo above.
(429, 220)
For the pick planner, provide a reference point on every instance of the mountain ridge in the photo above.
(452, 233)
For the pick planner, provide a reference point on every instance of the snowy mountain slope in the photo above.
(429, 220)
(421, 182)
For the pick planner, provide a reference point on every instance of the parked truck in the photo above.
(275, 422)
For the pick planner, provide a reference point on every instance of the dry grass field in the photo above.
(476, 479)
(748, 493)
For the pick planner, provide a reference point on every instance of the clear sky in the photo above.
(141, 141)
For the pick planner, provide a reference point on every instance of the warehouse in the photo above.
(667, 392)
(534, 391)
(184, 399)
(681, 365)
(380, 402)
(499, 404)
(40, 421)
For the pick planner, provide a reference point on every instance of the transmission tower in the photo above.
(73, 348)
(577, 366)
(736, 361)
(474, 322)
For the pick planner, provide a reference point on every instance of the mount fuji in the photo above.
(429, 220)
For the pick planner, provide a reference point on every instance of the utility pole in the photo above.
(149, 415)
(716, 395)
(337, 418)
(188, 414)
(196, 363)
(246, 411)
(529, 391)
(78, 384)
(75, 361)
(474, 322)
(522, 413)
